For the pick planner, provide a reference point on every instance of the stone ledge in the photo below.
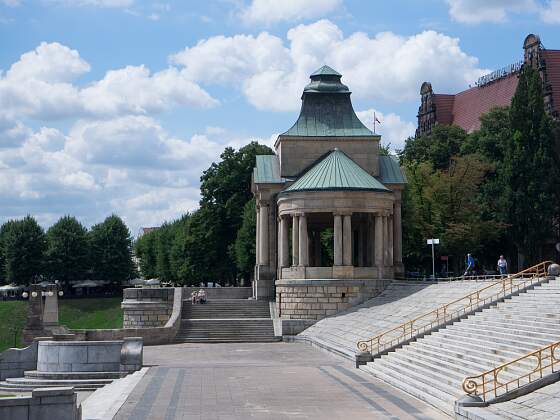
(330, 282)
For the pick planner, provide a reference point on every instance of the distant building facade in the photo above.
(326, 178)
(495, 89)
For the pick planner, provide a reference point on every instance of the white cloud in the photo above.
(54, 63)
(393, 129)
(271, 11)
(477, 11)
(40, 85)
(134, 90)
(95, 3)
(551, 13)
(128, 165)
(272, 73)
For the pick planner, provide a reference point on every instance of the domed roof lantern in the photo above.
(326, 79)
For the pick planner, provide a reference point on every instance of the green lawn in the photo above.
(90, 313)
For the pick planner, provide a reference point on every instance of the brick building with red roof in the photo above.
(496, 89)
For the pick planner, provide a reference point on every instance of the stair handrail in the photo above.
(487, 384)
(445, 313)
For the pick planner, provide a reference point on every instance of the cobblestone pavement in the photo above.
(262, 381)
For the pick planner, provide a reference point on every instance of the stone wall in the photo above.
(13, 362)
(43, 404)
(163, 334)
(316, 299)
(147, 307)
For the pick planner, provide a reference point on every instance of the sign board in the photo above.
(432, 241)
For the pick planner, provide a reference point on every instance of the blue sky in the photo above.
(118, 105)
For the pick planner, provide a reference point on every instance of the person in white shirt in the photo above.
(502, 265)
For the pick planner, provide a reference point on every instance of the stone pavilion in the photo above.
(329, 229)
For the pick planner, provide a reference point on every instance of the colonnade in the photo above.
(383, 240)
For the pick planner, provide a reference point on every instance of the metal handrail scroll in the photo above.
(512, 375)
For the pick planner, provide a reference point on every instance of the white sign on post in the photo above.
(432, 242)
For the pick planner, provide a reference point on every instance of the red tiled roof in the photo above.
(552, 58)
(444, 108)
(472, 103)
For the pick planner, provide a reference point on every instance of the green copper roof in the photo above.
(336, 171)
(326, 109)
(267, 170)
(390, 171)
(326, 71)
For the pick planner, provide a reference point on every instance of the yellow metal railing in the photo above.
(427, 322)
(512, 375)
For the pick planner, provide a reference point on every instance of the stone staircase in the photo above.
(225, 321)
(398, 303)
(434, 367)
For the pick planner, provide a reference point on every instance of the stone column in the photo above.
(347, 240)
(284, 243)
(257, 239)
(379, 244)
(385, 240)
(390, 239)
(263, 240)
(397, 234)
(371, 240)
(295, 240)
(303, 241)
(337, 239)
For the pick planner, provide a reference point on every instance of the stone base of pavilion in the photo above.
(300, 302)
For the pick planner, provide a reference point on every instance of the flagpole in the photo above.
(374, 118)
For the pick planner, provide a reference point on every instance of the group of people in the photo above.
(198, 297)
(501, 266)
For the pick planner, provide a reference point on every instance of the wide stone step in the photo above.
(536, 326)
(445, 363)
(35, 374)
(492, 342)
(505, 333)
(404, 375)
(56, 382)
(229, 340)
(478, 360)
(437, 398)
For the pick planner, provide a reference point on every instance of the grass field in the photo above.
(90, 313)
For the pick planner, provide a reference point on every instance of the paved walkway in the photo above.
(261, 381)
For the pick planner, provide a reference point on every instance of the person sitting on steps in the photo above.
(201, 296)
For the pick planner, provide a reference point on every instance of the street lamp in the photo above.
(433, 242)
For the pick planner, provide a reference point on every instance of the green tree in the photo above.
(445, 204)
(145, 249)
(3, 235)
(225, 188)
(244, 248)
(67, 255)
(24, 251)
(437, 148)
(531, 174)
(111, 251)
(165, 239)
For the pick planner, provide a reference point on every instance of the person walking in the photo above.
(502, 265)
(470, 265)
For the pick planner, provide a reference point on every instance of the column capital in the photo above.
(342, 213)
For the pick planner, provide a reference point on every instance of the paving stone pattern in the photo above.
(262, 381)
(398, 303)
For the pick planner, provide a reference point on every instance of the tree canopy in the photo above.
(67, 255)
